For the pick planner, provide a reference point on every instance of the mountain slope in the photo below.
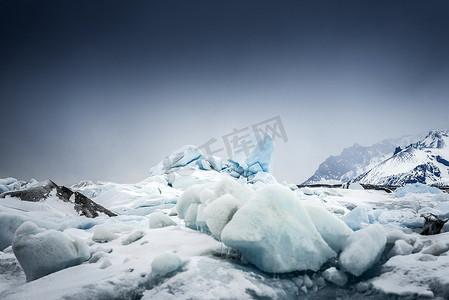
(426, 161)
(356, 160)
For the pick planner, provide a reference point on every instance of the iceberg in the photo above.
(363, 249)
(180, 158)
(41, 252)
(273, 231)
(261, 158)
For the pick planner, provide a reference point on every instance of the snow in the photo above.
(363, 249)
(269, 226)
(251, 238)
(159, 220)
(41, 252)
(165, 263)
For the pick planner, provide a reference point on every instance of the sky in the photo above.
(104, 90)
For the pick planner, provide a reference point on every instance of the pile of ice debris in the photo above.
(203, 228)
(257, 167)
(11, 184)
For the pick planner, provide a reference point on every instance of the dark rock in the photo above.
(82, 204)
(433, 224)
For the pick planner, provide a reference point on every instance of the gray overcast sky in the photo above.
(103, 90)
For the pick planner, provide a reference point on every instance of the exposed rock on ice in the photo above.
(363, 249)
(41, 252)
(48, 189)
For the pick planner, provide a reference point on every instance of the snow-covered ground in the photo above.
(206, 234)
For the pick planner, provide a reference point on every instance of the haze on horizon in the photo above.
(104, 90)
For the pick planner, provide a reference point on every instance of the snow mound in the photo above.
(165, 263)
(103, 235)
(363, 249)
(160, 220)
(274, 232)
(416, 188)
(41, 252)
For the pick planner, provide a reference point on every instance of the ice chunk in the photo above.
(356, 218)
(135, 236)
(179, 158)
(165, 263)
(416, 188)
(191, 214)
(189, 197)
(159, 220)
(9, 184)
(393, 236)
(335, 276)
(194, 202)
(9, 222)
(363, 249)
(333, 230)
(261, 158)
(274, 232)
(41, 252)
(220, 212)
(103, 235)
(355, 186)
(400, 247)
(106, 263)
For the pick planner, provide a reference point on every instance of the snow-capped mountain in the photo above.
(356, 160)
(426, 161)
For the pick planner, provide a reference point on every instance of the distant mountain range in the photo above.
(357, 160)
(426, 161)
